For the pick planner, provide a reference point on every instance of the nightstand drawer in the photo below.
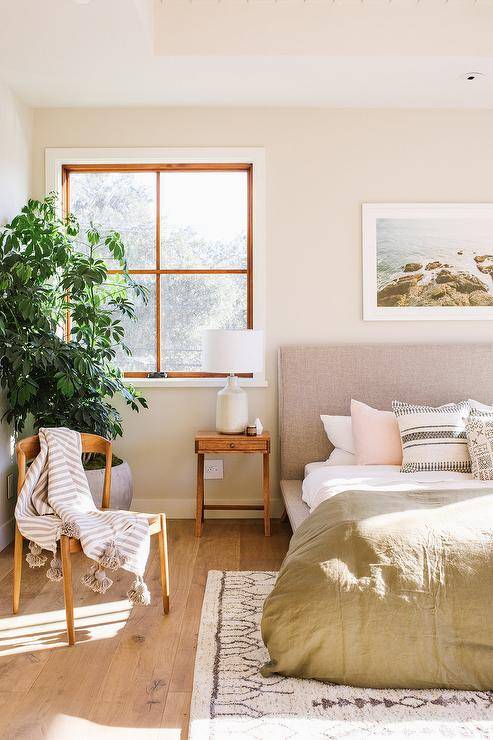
(232, 445)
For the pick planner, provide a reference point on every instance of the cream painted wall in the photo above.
(15, 174)
(321, 165)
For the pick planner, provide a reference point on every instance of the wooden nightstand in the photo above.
(220, 443)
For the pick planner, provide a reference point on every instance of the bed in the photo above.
(388, 579)
(322, 379)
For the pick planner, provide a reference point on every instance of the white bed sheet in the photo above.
(310, 467)
(325, 481)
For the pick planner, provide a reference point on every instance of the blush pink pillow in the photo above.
(376, 436)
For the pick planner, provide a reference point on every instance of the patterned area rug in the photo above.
(231, 700)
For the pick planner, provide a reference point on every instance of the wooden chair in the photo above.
(26, 450)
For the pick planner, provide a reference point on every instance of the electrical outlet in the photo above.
(10, 486)
(213, 469)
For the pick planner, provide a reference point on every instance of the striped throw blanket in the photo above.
(55, 500)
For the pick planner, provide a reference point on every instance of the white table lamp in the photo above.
(229, 351)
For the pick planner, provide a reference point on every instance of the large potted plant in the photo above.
(60, 329)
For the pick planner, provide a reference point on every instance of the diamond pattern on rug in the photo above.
(232, 701)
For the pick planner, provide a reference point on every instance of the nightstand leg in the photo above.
(200, 495)
(266, 496)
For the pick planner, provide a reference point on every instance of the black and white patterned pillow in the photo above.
(433, 438)
(479, 432)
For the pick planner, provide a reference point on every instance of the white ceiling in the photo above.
(358, 53)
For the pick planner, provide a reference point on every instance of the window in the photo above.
(188, 235)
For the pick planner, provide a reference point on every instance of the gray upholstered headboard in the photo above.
(316, 380)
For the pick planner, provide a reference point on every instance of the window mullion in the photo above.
(250, 249)
(158, 276)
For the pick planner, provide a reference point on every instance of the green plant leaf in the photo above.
(62, 383)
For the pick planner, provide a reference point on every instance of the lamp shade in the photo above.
(229, 351)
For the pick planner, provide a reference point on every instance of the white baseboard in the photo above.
(180, 508)
(6, 533)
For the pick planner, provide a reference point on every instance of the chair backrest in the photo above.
(28, 448)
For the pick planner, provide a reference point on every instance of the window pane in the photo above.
(124, 201)
(204, 217)
(140, 334)
(191, 303)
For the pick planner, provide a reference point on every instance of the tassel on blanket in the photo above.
(34, 558)
(139, 593)
(70, 529)
(54, 572)
(97, 580)
(112, 558)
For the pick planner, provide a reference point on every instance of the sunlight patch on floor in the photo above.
(32, 632)
(64, 726)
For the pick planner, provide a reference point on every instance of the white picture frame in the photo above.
(372, 259)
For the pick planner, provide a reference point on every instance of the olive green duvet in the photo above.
(388, 589)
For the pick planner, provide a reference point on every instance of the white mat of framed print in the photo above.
(427, 261)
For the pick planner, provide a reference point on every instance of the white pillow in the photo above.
(339, 431)
(478, 406)
(341, 457)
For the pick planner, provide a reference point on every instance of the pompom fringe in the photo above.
(54, 572)
(70, 529)
(139, 593)
(34, 558)
(97, 580)
(112, 558)
(88, 579)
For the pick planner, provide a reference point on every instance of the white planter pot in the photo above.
(121, 486)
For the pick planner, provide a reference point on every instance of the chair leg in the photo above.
(17, 569)
(163, 557)
(67, 587)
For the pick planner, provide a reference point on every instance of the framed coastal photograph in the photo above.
(427, 261)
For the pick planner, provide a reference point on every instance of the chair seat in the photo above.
(154, 523)
(154, 527)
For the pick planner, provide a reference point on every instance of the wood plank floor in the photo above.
(130, 674)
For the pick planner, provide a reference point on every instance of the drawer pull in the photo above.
(232, 445)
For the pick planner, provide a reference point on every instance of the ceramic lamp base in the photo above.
(232, 408)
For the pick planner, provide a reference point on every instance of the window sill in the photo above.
(193, 382)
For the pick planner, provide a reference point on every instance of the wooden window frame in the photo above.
(67, 169)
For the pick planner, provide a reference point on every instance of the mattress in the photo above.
(324, 481)
(310, 467)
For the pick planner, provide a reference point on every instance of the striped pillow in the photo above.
(433, 438)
